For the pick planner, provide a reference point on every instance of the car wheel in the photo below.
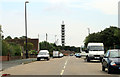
(103, 68)
(100, 60)
(38, 59)
(109, 70)
(48, 59)
(88, 60)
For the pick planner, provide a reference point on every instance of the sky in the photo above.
(46, 16)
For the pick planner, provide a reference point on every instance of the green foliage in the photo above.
(16, 38)
(109, 36)
(32, 52)
(15, 49)
(23, 37)
(12, 48)
(29, 46)
(8, 38)
(47, 46)
(51, 46)
(5, 48)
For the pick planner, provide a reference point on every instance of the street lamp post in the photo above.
(26, 28)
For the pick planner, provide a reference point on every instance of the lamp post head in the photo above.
(26, 1)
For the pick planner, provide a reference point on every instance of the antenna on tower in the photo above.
(62, 22)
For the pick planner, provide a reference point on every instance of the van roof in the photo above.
(44, 51)
(93, 44)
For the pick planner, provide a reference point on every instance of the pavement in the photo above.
(69, 65)
(8, 64)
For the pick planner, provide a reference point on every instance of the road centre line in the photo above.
(64, 67)
(62, 72)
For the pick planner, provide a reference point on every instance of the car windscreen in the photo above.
(96, 48)
(43, 53)
(115, 54)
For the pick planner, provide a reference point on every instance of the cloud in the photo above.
(106, 6)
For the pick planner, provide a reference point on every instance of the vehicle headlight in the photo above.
(113, 63)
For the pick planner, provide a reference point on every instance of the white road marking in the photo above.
(64, 67)
(62, 72)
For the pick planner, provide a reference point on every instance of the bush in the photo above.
(5, 48)
(12, 48)
(32, 52)
(15, 49)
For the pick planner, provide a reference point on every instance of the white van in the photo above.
(56, 54)
(43, 54)
(95, 51)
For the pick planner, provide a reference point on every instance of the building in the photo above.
(35, 42)
(63, 34)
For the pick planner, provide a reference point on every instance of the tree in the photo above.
(5, 48)
(23, 37)
(8, 38)
(15, 49)
(16, 38)
(109, 36)
(29, 46)
(0, 30)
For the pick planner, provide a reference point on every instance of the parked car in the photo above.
(43, 54)
(71, 54)
(111, 61)
(78, 55)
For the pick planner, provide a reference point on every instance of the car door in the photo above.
(105, 59)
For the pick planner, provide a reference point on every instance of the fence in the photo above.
(8, 58)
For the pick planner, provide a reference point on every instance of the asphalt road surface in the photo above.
(69, 65)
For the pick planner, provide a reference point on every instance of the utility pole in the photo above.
(26, 27)
(88, 31)
(46, 36)
(55, 39)
(38, 43)
(46, 40)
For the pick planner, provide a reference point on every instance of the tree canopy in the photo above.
(109, 36)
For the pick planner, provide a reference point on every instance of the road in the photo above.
(68, 65)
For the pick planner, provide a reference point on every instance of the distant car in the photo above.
(111, 61)
(56, 54)
(78, 55)
(71, 54)
(75, 54)
(60, 55)
(43, 54)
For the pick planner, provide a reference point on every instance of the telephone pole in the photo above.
(26, 27)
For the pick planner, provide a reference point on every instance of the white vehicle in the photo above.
(43, 54)
(60, 55)
(95, 51)
(56, 54)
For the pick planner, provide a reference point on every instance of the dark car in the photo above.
(111, 61)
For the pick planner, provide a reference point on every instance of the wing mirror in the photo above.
(105, 56)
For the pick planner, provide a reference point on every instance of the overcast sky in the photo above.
(46, 16)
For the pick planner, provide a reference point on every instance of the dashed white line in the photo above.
(62, 72)
(64, 67)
